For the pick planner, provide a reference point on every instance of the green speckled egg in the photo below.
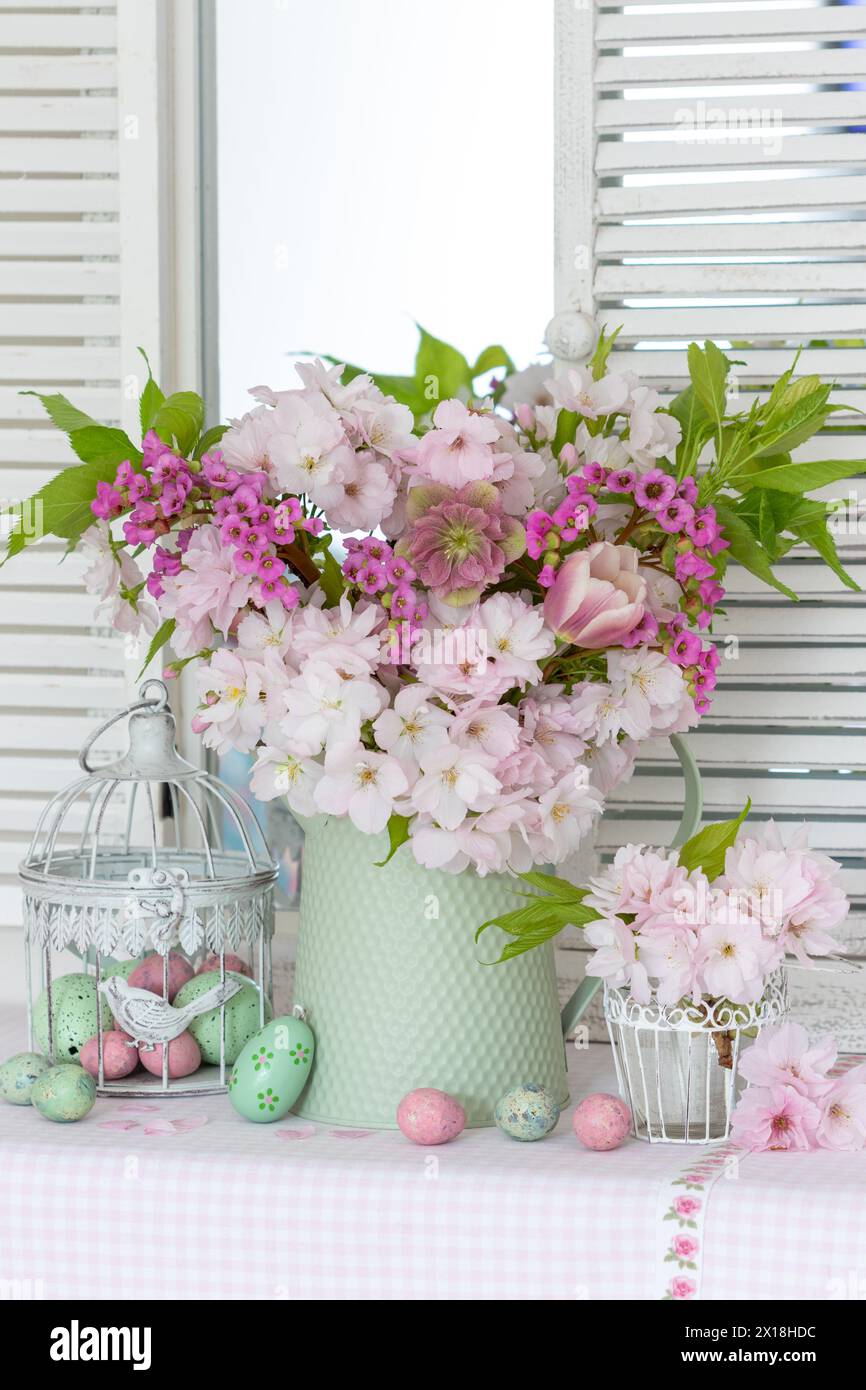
(528, 1112)
(64, 1094)
(124, 968)
(272, 1070)
(18, 1074)
(73, 1000)
(242, 1017)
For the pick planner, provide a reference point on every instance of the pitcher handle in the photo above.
(693, 805)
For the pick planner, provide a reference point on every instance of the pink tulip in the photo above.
(597, 596)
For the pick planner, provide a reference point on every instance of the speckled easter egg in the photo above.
(123, 968)
(74, 1016)
(272, 1070)
(528, 1112)
(428, 1116)
(184, 1057)
(236, 964)
(18, 1074)
(64, 1093)
(118, 1058)
(148, 975)
(601, 1121)
(242, 1018)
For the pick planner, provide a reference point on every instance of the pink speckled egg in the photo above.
(601, 1121)
(118, 1059)
(184, 1057)
(148, 975)
(234, 963)
(428, 1116)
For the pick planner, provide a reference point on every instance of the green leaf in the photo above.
(549, 920)
(62, 506)
(63, 413)
(805, 477)
(104, 446)
(491, 357)
(745, 547)
(439, 369)
(790, 426)
(706, 850)
(398, 834)
(816, 533)
(603, 348)
(160, 637)
(708, 369)
(180, 419)
(557, 888)
(331, 578)
(149, 404)
(210, 438)
(566, 430)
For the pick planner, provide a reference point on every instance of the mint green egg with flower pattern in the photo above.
(272, 1070)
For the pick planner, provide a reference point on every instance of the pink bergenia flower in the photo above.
(459, 449)
(597, 596)
(460, 542)
(774, 1117)
(782, 1056)
(843, 1120)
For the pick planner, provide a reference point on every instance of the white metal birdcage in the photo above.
(201, 884)
(676, 1066)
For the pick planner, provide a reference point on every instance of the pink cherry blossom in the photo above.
(360, 784)
(459, 449)
(774, 1117)
(843, 1120)
(783, 1056)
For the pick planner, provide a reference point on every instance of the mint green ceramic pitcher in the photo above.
(396, 989)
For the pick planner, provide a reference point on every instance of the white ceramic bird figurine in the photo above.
(150, 1019)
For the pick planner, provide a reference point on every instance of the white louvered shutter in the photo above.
(83, 256)
(710, 184)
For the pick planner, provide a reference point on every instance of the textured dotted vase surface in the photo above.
(395, 990)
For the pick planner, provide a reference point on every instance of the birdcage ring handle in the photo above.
(153, 706)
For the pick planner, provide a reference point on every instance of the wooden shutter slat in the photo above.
(614, 113)
(824, 23)
(809, 64)
(740, 148)
(44, 278)
(70, 113)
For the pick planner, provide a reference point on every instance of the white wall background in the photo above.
(379, 163)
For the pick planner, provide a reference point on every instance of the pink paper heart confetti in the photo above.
(133, 1107)
(351, 1133)
(118, 1124)
(296, 1132)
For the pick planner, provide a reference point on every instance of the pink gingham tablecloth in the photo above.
(186, 1200)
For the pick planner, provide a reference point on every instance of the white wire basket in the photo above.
(677, 1066)
(95, 901)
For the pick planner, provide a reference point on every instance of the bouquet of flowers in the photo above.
(452, 612)
(710, 922)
